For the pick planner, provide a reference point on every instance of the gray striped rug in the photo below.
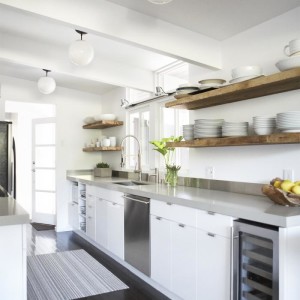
(68, 275)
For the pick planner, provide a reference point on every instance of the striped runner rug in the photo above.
(68, 275)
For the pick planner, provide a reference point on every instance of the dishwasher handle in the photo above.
(137, 200)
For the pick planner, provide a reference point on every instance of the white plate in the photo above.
(288, 63)
(240, 79)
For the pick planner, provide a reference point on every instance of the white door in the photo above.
(43, 171)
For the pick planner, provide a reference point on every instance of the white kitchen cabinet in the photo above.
(101, 222)
(161, 251)
(110, 221)
(90, 217)
(213, 263)
(13, 276)
(73, 215)
(184, 261)
(115, 228)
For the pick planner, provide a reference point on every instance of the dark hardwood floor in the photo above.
(43, 242)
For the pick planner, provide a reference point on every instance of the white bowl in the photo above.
(107, 117)
(264, 130)
(246, 71)
(288, 63)
(89, 120)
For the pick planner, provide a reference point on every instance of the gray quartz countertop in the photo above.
(244, 206)
(11, 213)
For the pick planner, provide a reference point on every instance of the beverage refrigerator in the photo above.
(7, 159)
(255, 261)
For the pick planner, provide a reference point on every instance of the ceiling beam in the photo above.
(107, 19)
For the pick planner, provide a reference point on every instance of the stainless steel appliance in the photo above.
(7, 159)
(256, 261)
(137, 232)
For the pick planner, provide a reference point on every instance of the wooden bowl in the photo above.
(281, 197)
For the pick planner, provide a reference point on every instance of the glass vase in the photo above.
(171, 176)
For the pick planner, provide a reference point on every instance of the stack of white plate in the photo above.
(264, 125)
(244, 73)
(235, 129)
(205, 128)
(288, 121)
(188, 132)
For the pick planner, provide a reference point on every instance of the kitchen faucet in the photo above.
(138, 166)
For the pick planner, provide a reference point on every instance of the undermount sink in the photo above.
(131, 183)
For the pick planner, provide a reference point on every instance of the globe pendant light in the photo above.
(160, 1)
(81, 53)
(46, 85)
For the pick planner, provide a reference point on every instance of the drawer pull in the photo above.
(181, 225)
(158, 218)
(169, 203)
(211, 213)
(211, 234)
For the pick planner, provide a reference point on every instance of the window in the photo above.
(139, 126)
(171, 121)
(135, 96)
(171, 76)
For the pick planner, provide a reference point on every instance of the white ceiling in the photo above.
(218, 19)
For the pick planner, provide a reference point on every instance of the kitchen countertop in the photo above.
(11, 213)
(249, 207)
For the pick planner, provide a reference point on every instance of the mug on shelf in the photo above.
(113, 141)
(293, 48)
(106, 142)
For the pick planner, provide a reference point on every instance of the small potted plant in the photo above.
(102, 170)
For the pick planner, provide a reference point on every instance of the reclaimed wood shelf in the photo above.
(97, 149)
(102, 124)
(272, 139)
(261, 86)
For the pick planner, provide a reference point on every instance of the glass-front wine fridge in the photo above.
(255, 261)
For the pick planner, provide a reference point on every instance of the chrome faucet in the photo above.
(138, 166)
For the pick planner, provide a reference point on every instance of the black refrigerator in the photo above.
(7, 159)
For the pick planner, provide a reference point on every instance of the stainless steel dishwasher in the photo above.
(137, 232)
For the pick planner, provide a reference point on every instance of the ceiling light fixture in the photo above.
(160, 1)
(81, 53)
(124, 103)
(46, 85)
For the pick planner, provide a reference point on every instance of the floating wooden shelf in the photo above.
(258, 87)
(102, 124)
(97, 149)
(272, 139)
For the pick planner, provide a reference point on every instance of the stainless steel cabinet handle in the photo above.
(158, 218)
(181, 225)
(133, 199)
(211, 213)
(169, 203)
(211, 234)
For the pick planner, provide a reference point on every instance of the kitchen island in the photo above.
(13, 269)
(192, 233)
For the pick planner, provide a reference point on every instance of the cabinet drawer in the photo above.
(109, 195)
(90, 190)
(174, 212)
(214, 223)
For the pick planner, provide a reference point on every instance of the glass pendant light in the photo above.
(81, 53)
(46, 84)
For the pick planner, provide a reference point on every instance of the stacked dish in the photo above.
(240, 74)
(288, 121)
(205, 128)
(211, 83)
(235, 129)
(185, 89)
(264, 125)
(188, 132)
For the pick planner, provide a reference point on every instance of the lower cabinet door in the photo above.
(91, 217)
(213, 267)
(115, 228)
(73, 215)
(161, 251)
(184, 261)
(101, 222)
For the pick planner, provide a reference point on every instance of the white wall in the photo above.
(71, 108)
(111, 104)
(261, 45)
